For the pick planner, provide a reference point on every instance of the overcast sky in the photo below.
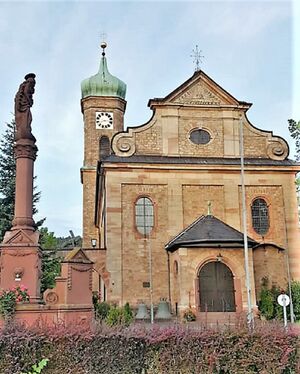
(249, 49)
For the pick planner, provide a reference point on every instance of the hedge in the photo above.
(150, 350)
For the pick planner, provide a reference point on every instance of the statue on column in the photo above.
(23, 103)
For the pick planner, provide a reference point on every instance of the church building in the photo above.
(163, 201)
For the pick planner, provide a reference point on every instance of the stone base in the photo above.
(21, 262)
(49, 316)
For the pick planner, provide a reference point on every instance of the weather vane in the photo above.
(103, 44)
(196, 54)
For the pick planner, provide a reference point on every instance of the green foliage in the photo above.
(51, 267)
(101, 310)
(295, 286)
(39, 367)
(266, 303)
(119, 316)
(294, 129)
(9, 299)
(128, 314)
(8, 181)
(47, 239)
(50, 260)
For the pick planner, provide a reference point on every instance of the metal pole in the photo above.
(244, 215)
(284, 311)
(150, 276)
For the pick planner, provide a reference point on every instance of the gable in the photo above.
(199, 105)
(77, 255)
(201, 90)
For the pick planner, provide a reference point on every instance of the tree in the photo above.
(50, 258)
(8, 181)
(294, 129)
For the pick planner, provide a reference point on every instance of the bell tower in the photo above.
(103, 106)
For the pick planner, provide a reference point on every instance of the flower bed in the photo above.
(174, 349)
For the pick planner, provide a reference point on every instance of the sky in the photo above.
(249, 49)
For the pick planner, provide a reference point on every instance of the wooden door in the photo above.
(216, 288)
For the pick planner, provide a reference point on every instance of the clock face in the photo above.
(104, 120)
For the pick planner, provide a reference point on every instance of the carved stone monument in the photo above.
(70, 301)
(20, 252)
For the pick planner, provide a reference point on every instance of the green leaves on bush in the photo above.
(119, 316)
(101, 310)
(112, 315)
(39, 367)
(268, 305)
(295, 286)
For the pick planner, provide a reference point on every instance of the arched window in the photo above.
(144, 219)
(260, 216)
(104, 147)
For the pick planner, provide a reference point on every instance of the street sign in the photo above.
(283, 300)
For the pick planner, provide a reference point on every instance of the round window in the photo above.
(199, 136)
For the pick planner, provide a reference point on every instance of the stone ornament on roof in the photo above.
(23, 103)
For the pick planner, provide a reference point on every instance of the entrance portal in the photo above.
(216, 288)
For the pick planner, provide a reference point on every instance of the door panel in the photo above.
(216, 288)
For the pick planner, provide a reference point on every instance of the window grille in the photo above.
(144, 218)
(260, 216)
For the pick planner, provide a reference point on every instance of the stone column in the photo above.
(20, 252)
(25, 155)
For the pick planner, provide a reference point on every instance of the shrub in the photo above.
(136, 349)
(39, 367)
(9, 299)
(101, 310)
(266, 303)
(119, 316)
(295, 286)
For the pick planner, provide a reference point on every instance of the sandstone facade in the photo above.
(184, 174)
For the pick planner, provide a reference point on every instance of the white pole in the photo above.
(244, 215)
(150, 276)
(284, 311)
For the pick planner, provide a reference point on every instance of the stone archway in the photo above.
(216, 288)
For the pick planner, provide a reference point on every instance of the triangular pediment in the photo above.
(199, 90)
(77, 255)
(19, 237)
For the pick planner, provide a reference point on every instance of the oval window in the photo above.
(260, 216)
(200, 136)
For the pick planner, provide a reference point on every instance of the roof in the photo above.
(209, 231)
(77, 255)
(149, 159)
(197, 74)
(103, 83)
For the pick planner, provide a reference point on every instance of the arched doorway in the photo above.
(216, 288)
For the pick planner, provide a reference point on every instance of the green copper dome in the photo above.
(103, 83)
